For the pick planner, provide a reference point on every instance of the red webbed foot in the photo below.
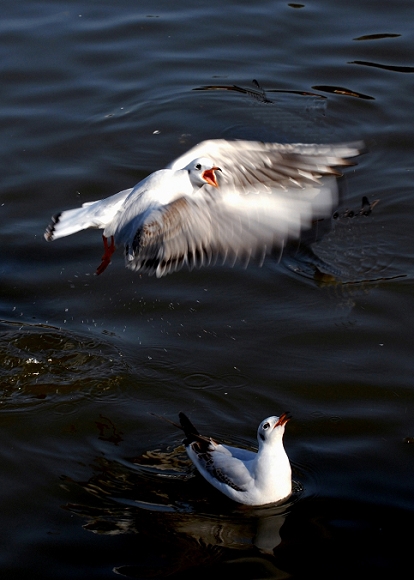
(109, 249)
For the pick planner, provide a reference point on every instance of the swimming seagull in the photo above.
(233, 200)
(244, 476)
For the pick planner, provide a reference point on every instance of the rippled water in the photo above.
(94, 96)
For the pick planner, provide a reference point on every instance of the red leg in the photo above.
(109, 249)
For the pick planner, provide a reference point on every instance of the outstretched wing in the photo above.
(223, 224)
(268, 193)
(252, 165)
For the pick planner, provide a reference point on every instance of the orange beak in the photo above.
(210, 177)
(283, 419)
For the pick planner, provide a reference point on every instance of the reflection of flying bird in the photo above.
(244, 476)
(232, 200)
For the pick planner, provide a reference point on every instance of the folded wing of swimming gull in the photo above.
(227, 200)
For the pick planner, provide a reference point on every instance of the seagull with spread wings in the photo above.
(222, 200)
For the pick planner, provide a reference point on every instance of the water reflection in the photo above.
(390, 67)
(259, 93)
(342, 91)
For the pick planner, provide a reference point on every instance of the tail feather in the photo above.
(190, 431)
(69, 222)
(93, 214)
(192, 435)
(188, 428)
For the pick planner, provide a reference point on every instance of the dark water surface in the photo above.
(93, 97)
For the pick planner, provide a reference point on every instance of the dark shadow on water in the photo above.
(345, 539)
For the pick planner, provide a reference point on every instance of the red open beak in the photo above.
(210, 177)
(283, 419)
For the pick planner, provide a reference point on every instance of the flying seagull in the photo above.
(222, 200)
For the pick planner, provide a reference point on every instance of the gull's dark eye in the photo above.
(266, 426)
(198, 166)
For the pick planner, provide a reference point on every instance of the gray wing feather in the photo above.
(252, 164)
(223, 225)
(268, 193)
(222, 466)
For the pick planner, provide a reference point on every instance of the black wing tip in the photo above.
(50, 230)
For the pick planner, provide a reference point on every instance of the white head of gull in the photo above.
(201, 172)
(244, 476)
(227, 200)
